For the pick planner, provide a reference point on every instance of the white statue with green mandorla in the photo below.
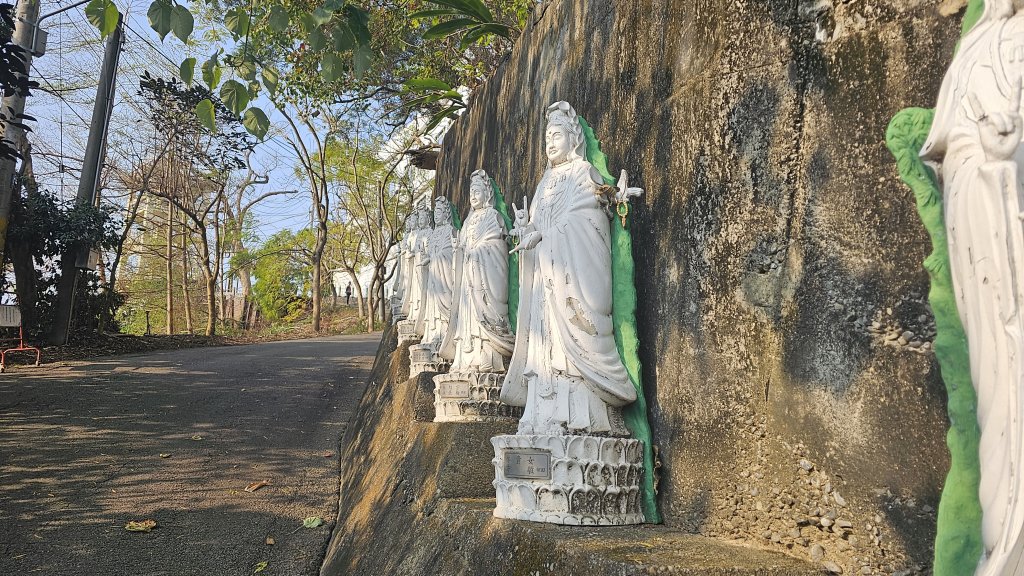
(572, 461)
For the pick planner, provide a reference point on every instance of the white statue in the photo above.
(572, 461)
(438, 262)
(402, 268)
(418, 260)
(479, 338)
(413, 277)
(976, 136)
(566, 369)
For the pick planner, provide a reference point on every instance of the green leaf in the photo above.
(320, 16)
(246, 69)
(332, 67)
(211, 72)
(343, 38)
(334, 5)
(182, 22)
(313, 522)
(434, 13)
(308, 23)
(237, 21)
(270, 78)
(421, 84)
(359, 23)
(362, 59)
(103, 15)
(440, 116)
(479, 32)
(278, 18)
(260, 567)
(187, 70)
(204, 111)
(447, 28)
(316, 40)
(160, 13)
(473, 8)
(235, 96)
(256, 122)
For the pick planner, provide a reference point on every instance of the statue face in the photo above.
(557, 144)
(477, 196)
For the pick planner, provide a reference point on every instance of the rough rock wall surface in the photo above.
(784, 325)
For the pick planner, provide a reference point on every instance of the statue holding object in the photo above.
(572, 460)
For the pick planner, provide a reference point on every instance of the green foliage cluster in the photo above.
(282, 275)
(43, 227)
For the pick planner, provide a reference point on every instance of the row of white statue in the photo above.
(560, 373)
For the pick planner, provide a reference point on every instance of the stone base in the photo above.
(424, 358)
(587, 480)
(407, 332)
(471, 397)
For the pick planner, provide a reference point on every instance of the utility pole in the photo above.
(78, 256)
(26, 16)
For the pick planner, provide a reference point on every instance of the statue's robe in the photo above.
(982, 201)
(566, 369)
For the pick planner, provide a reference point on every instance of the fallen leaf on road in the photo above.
(257, 485)
(270, 541)
(328, 454)
(164, 455)
(313, 522)
(260, 567)
(141, 526)
(197, 437)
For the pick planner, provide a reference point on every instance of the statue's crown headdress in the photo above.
(562, 114)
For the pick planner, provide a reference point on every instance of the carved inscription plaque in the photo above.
(454, 389)
(528, 464)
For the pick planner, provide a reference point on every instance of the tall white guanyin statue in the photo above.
(413, 269)
(572, 461)
(402, 272)
(439, 264)
(479, 340)
(975, 141)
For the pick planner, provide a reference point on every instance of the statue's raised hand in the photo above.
(521, 220)
(1000, 132)
(522, 215)
(624, 192)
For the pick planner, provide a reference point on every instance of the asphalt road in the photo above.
(176, 437)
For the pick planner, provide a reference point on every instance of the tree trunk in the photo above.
(170, 269)
(211, 303)
(359, 291)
